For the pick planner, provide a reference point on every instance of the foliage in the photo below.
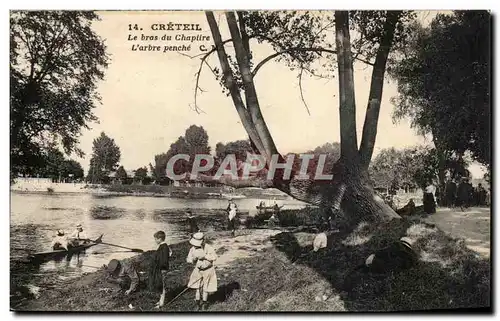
(444, 80)
(52, 164)
(394, 168)
(239, 148)
(56, 60)
(72, 167)
(195, 141)
(141, 175)
(105, 157)
(369, 26)
(428, 159)
(159, 170)
(121, 174)
(414, 166)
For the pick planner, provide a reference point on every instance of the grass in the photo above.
(288, 276)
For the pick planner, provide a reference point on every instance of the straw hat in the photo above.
(406, 241)
(79, 226)
(197, 239)
(113, 266)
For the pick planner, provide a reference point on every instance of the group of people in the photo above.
(461, 195)
(203, 277)
(464, 195)
(64, 242)
(202, 255)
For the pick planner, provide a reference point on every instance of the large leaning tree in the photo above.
(315, 43)
(56, 60)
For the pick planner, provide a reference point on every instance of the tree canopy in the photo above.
(55, 166)
(443, 81)
(56, 60)
(105, 157)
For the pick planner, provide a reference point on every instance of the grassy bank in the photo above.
(262, 270)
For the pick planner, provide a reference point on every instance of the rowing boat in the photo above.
(268, 209)
(55, 254)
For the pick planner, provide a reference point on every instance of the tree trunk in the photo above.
(376, 88)
(242, 57)
(441, 172)
(230, 82)
(348, 194)
(348, 136)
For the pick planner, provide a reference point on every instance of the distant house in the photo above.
(130, 178)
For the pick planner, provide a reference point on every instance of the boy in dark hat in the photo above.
(122, 270)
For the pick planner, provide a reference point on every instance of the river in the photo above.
(130, 221)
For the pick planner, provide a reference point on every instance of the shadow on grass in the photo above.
(447, 276)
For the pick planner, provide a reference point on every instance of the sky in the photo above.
(147, 97)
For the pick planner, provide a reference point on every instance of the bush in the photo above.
(302, 217)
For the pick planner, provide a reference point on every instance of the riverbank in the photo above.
(275, 270)
(192, 192)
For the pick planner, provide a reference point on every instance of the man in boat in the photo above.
(60, 242)
(122, 270)
(79, 237)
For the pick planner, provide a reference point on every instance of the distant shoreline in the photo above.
(146, 191)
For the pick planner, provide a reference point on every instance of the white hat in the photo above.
(79, 225)
(197, 239)
(406, 241)
(60, 232)
(369, 260)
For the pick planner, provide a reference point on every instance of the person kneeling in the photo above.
(121, 270)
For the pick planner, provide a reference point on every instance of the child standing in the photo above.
(231, 211)
(203, 277)
(161, 263)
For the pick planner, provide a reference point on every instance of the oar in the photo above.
(91, 266)
(123, 247)
(111, 252)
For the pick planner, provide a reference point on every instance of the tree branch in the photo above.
(297, 49)
(301, 91)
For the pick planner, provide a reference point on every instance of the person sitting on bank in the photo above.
(408, 210)
(79, 236)
(122, 270)
(273, 221)
(398, 256)
(60, 241)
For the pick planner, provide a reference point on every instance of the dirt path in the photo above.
(473, 225)
(247, 243)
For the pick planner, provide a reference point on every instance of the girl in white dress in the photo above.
(203, 277)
